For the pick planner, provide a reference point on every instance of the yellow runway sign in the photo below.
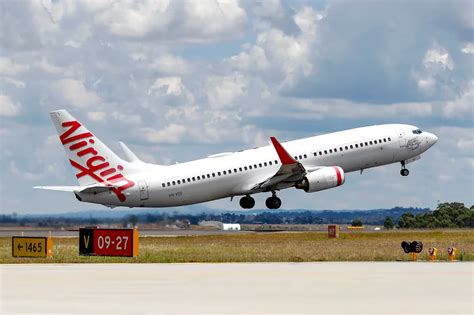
(23, 246)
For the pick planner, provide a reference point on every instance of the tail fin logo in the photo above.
(96, 165)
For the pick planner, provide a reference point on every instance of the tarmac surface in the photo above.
(239, 288)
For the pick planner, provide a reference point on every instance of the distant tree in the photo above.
(133, 219)
(407, 220)
(356, 222)
(388, 223)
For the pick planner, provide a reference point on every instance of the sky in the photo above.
(180, 80)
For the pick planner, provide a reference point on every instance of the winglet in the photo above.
(285, 158)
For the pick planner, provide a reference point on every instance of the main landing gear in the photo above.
(273, 202)
(404, 171)
(247, 202)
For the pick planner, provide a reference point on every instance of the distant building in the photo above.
(221, 226)
(231, 227)
(214, 224)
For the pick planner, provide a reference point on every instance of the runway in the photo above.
(239, 288)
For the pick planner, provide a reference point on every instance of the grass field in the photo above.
(267, 247)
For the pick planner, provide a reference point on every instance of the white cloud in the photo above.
(468, 48)
(438, 58)
(463, 106)
(9, 108)
(17, 83)
(307, 20)
(169, 64)
(332, 108)
(96, 116)
(172, 133)
(133, 119)
(166, 85)
(224, 91)
(10, 68)
(171, 20)
(75, 93)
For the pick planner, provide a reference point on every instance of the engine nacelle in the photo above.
(321, 179)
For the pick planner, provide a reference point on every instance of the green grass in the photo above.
(267, 247)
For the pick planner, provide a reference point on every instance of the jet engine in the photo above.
(321, 179)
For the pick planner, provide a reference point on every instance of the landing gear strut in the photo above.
(247, 202)
(273, 202)
(404, 171)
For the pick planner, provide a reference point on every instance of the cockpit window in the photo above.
(417, 131)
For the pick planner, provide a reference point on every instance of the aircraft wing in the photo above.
(290, 170)
(82, 189)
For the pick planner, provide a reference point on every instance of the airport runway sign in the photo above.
(108, 242)
(24, 246)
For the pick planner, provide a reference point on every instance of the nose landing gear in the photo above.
(404, 171)
(273, 202)
(247, 202)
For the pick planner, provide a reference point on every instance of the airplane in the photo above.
(310, 164)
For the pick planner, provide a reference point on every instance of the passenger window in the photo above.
(351, 146)
(168, 184)
(276, 162)
(179, 182)
(235, 170)
(361, 144)
(340, 149)
(320, 153)
(335, 150)
(296, 158)
(315, 154)
(208, 176)
(356, 145)
(384, 140)
(163, 185)
(325, 152)
(250, 167)
(370, 142)
(189, 180)
(199, 178)
(224, 172)
(174, 183)
(300, 157)
(366, 144)
(255, 165)
(375, 141)
(389, 139)
(270, 162)
(194, 179)
(330, 150)
(265, 163)
(305, 156)
(240, 169)
(259, 164)
(347, 148)
(245, 167)
(219, 173)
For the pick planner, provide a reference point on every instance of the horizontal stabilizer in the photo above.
(81, 189)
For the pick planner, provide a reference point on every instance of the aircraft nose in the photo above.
(432, 139)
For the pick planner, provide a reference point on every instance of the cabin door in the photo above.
(402, 140)
(143, 190)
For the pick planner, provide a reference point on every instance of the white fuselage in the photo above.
(233, 174)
